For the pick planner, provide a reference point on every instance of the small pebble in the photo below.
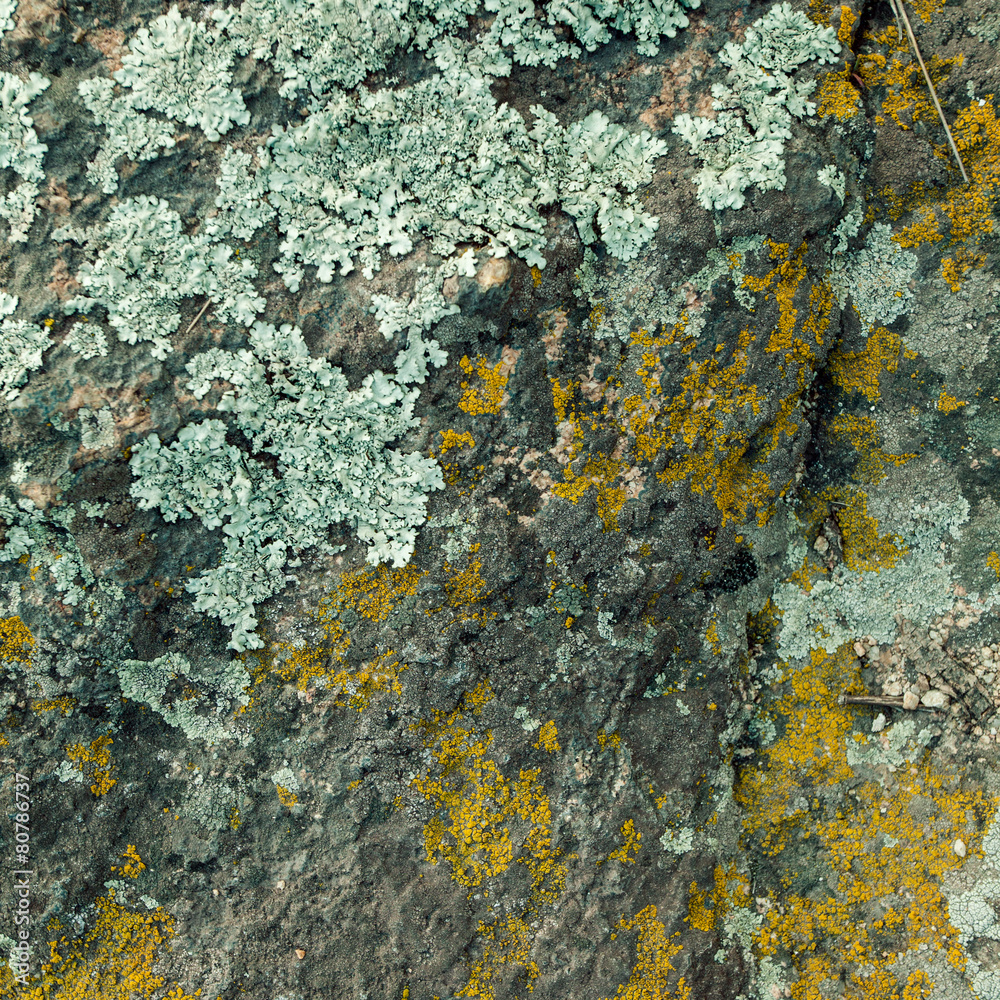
(910, 701)
(959, 847)
(878, 723)
(821, 545)
(934, 699)
(300, 954)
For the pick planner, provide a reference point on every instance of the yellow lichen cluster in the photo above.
(452, 439)
(64, 705)
(605, 740)
(114, 960)
(731, 890)
(949, 404)
(548, 737)
(993, 563)
(887, 844)
(860, 371)
(715, 456)
(286, 796)
(372, 593)
(863, 435)
(133, 866)
(475, 806)
(487, 397)
(907, 96)
(889, 847)
(95, 761)
(653, 969)
(601, 475)
(786, 277)
(632, 842)
(864, 549)
(962, 214)
(699, 428)
(506, 941)
(466, 591)
(16, 641)
(809, 755)
(845, 33)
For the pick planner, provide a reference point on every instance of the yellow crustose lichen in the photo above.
(95, 761)
(114, 960)
(885, 843)
(487, 396)
(16, 641)
(475, 806)
(653, 970)
(861, 371)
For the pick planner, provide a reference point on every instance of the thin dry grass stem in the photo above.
(900, 12)
(208, 302)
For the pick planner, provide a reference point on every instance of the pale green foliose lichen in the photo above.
(97, 430)
(177, 67)
(834, 179)
(440, 159)
(88, 340)
(29, 532)
(20, 150)
(321, 46)
(241, 199)
(222, 683)
(127, 132)
(333, 466)
(147, 264)
(744, 144)
(899, 744)
(22, 345)
(678, 841)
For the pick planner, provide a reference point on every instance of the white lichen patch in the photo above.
(893, 747)
(849, 604)
(678, 841)
(876, 278)
(201, 711)
(97, 430)
(973, 895)
(444, 161)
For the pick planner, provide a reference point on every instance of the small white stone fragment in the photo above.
(959, 847)
(910, 701)
(821, 545)
(860, 649)
(878, 723)
(934, 699)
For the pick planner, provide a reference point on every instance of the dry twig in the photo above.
(208, 302)
(900, 12)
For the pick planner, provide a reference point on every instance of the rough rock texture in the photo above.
(681, 684)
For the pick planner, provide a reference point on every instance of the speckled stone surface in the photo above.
(630, 720)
